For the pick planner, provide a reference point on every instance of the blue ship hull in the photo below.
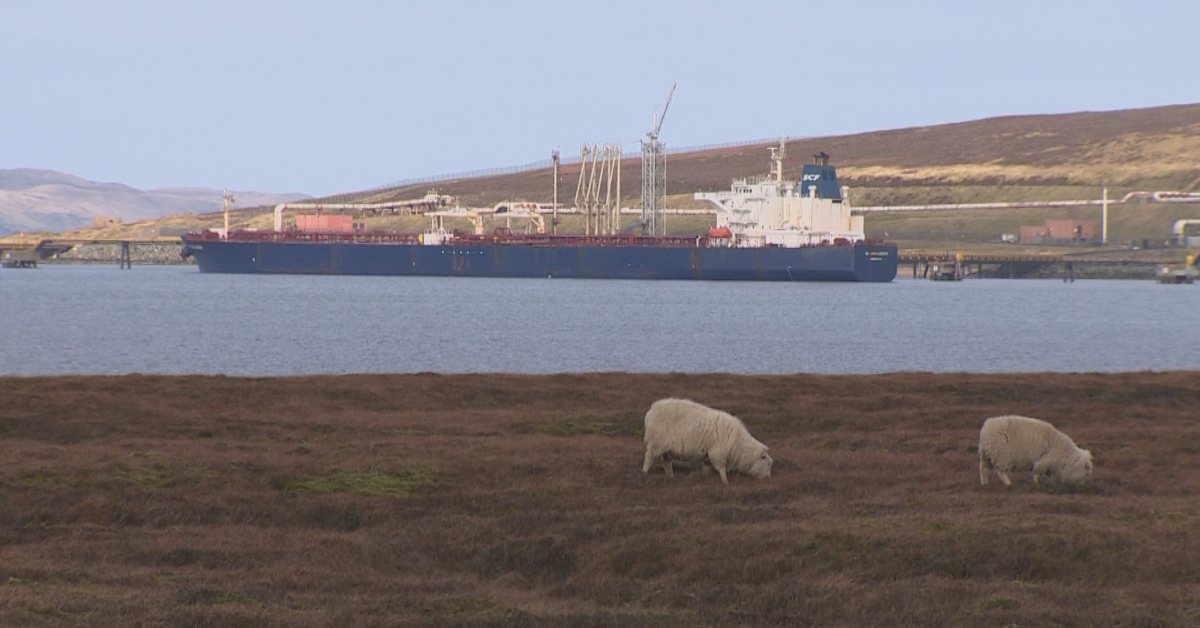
(858, 262)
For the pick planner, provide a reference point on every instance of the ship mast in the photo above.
(777, 157)
(554, 207)
(228, 199)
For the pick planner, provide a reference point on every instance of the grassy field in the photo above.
(495, 500)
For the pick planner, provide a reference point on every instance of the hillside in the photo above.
(1014, 158)
(47, 200)
(1156, 147)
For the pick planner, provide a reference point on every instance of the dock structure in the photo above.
(19, 259)
(29, 253)
(1186, 274)
(954, 265)
(126, 259)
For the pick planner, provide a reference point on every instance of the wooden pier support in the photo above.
(126, 260)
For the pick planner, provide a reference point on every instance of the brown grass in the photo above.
(497, 500)
(1154, 148)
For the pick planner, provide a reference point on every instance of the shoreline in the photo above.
(1137, 271)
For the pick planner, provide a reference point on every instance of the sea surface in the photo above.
(82, 319)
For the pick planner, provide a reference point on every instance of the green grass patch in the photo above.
(46, 478)
(572, 428)
(1005, 603)
(457, 605)
(145, 477)
(365, 483)
(190, 595)
(399, 432)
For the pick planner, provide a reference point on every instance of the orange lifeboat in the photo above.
(720, 232)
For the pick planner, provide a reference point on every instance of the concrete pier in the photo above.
(1046, 265)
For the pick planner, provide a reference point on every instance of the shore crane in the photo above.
(654, 175)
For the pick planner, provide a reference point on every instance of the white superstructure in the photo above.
(769, 211)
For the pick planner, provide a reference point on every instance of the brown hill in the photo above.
(1013, 158)
(1158, 146)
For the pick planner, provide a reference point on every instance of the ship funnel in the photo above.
(822, 177)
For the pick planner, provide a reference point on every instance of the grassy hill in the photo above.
(1157, 147)
(1015, 158)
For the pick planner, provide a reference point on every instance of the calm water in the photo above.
(99, 319)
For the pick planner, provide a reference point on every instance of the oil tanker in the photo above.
(767, 229)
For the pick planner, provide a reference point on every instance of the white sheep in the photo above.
(1016, 443)
(686, 429)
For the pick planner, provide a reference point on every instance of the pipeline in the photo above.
(1179, 226)
(1157, 197)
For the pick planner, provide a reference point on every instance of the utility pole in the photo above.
(1104, 214)
(228, 198)
(554, 218)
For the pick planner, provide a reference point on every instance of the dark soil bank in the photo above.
(498, 500)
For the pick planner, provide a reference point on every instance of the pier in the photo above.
(27, 254)
(956, 265)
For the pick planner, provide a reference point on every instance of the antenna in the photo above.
(654, 175)
(554, 218)
(228, 199)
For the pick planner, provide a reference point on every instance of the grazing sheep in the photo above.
(686, 429)
(1017, 443)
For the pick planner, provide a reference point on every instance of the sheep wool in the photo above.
(1014, 443)
(686, 429)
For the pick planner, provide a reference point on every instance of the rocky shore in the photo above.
(141, 254)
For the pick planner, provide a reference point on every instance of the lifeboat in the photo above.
(720, 232)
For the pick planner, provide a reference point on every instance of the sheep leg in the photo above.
(720, 467)
(649, 461)
(1004, 477)
(983, 470)
(666, 460)
(1039, 469)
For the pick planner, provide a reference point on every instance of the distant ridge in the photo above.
(48, 200)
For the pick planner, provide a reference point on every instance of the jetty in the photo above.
(27, 253)
(956, 265)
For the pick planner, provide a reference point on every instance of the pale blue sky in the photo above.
(326, 97)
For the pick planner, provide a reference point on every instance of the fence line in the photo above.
(530, 167)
